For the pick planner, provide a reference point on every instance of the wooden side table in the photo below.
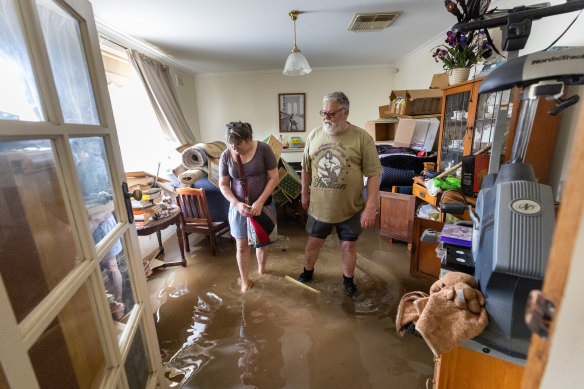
(161, 224)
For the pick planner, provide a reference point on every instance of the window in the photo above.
(141, 138)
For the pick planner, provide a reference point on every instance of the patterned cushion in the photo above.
(218, 205)
(398, 177)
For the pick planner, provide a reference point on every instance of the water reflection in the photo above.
(196, 351)
(260, 347)
(97, 188)
(281, 335)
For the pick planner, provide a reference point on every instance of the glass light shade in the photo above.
(296, 65)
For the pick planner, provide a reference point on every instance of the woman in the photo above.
(261, 171)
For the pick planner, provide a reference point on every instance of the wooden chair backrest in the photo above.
(193, 204)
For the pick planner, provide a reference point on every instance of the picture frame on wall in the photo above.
(292, 108)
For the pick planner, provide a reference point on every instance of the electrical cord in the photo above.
(566, 30)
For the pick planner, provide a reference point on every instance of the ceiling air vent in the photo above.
(375, 21)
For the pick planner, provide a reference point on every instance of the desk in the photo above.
(161, 224)
(420, 191)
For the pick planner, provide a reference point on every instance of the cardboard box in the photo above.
(418, 134)
(384, 112)
(213, 174)
(275, 145)
(439, 81)
(381, 130)
(415, 102)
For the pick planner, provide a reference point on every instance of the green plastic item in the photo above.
(447, 183)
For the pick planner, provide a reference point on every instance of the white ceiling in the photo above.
(242, 36)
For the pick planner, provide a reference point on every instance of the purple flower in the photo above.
(462, 49)
(450, 38)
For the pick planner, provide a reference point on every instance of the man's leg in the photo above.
(243, 262)
(311, 252)
(110, 265)
(349, 250)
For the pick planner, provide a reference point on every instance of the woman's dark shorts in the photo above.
(348, 230)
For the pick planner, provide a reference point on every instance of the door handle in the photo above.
(136, 194)
(539, 313)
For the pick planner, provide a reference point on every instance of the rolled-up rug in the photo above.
(178, 170)
(213, 149)
(191, 176)
(194, 157)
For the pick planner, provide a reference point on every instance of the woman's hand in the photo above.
(256, 208)
(243, 209)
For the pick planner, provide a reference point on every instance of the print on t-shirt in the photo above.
(331, 166)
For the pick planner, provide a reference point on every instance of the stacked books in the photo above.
(145, 209)
(457, 235)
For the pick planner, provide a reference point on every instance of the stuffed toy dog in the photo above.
(452, 313)
(462, 288)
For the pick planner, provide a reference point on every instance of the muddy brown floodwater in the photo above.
(280, 335)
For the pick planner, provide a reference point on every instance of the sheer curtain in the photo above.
(19, 98)
(68, 63)
(158, 84)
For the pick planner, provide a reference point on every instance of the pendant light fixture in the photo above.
(296, 64)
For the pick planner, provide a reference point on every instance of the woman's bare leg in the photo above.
(262, 256)
(243, 251)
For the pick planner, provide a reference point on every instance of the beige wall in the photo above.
(187, 98)
(253, 98)
(416, 69)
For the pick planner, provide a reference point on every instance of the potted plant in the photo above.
(461, 51)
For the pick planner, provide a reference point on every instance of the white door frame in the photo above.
(17, 338)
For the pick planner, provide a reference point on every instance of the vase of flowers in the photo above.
(458, 75)
(460, 53)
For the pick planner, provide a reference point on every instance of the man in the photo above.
(336, 157)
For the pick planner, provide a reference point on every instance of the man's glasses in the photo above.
(330, 114)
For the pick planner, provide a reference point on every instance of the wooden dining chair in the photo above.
(196, 217)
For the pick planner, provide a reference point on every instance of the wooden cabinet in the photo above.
(468, 121)
(468, 124)
(396, 215)
(464, 368)
(424, 263)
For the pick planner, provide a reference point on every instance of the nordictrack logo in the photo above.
(557, 58)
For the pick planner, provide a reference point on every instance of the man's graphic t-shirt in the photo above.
(337, 164)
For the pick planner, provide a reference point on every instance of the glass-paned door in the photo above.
(491, 108)
(454, 128)
(73, 296)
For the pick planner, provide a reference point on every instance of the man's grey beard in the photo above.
(332, 128)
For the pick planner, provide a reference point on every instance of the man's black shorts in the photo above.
(348, 230)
